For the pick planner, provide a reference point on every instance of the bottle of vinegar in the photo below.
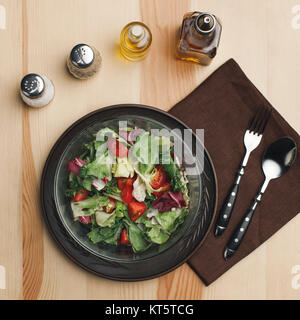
(199, 38)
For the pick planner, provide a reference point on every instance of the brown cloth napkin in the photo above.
(223, 106)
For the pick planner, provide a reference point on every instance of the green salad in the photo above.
(128, 188)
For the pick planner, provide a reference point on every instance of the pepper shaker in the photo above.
(36, 90)
(84, 61)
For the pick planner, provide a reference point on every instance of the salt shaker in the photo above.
(84, 61)
(36, 90)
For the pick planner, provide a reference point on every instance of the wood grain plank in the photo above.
(33, 248)
(165, 81)
(239, 20)
(11, 152)
(283, 89)
(252, 35)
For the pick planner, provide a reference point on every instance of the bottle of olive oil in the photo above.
(199, 38)
(135, 41)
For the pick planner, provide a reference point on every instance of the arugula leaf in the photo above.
(74, 186)
(87, 183)
(112, 187)
(174, 173)
(70, 193)
(149, 199)
(89, 152)
(111, 190)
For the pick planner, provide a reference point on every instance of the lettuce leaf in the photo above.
(123, 168)
(157, 235)
(136, 236)
(109, 235)
(170, 220)
(86, 207)
(103, 201)
(99, 168)
(103, 135)
(104, 219)
(146, 152)
(121, 209)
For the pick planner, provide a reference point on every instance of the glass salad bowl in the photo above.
(120, 262)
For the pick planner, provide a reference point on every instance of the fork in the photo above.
(252, 138)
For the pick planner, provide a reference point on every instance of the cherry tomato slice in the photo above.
(81, 195)
(117, 148)
(123, 182)
(135, 210)
(165, 187)
(159, 178)
(127, 194)
(124, 238)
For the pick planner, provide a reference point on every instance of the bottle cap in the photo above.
(32, 85)
(136, 33)
(82, 56)
(205, 23)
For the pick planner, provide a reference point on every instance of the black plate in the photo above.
(120, 263)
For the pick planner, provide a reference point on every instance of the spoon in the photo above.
(277, 160)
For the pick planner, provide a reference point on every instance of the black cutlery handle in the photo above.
(226, 211)
(240, 232)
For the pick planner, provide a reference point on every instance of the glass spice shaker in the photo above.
(199, 38)
(135, 41)
(84, 61)
(36, 90)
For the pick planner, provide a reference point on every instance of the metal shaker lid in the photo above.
(82, 55)
(32, 85)
(205, 23)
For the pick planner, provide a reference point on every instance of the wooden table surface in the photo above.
(264, 38)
